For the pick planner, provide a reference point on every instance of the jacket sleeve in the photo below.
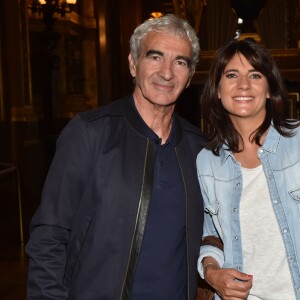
(212, 244)
(51, 225)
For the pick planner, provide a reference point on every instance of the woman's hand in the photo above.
(229, 284)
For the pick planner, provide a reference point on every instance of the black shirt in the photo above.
(162, 266)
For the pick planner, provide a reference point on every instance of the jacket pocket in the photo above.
(212, 208)
(74, 249)
(295, 195)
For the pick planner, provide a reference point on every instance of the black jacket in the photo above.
(86, 235)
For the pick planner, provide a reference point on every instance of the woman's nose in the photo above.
(243, 83)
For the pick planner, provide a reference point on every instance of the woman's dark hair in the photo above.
(221, 129)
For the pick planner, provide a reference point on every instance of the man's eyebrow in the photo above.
(160, 53)
(152, 52)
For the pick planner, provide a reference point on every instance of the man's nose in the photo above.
(166, 70)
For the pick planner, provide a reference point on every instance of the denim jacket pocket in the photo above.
(295, 194)
(74, 250)
(212, 208)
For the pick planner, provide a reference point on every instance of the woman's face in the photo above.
(243, 90)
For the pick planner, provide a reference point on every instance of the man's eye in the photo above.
(181, 63)
(155, 57)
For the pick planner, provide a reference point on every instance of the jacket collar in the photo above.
(138, 123)
(270, 145)
(272, 141)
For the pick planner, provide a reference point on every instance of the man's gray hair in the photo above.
(169, 24)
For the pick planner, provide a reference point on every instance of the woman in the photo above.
(249, 173)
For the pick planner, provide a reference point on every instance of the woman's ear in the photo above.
(131, 65)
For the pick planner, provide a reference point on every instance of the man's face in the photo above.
(162, 71)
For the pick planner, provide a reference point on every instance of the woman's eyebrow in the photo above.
(237, 71)
(230, 70)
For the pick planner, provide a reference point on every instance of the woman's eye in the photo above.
(231, 75)
(256, 76)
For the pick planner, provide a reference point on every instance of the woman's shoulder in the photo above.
(206, 158)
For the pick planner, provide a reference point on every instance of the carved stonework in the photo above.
(73, 65)
(297, 23)
(190, 10)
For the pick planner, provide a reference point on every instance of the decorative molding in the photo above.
(73, 65)
(294, 105)
(23, 114)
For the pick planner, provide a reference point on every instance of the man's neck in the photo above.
(157, 117)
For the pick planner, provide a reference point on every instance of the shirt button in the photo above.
(285, 230)
(261, 150)
(236, 238)
(235, 209)
(238, 183)
(275, 201)
(292, 259)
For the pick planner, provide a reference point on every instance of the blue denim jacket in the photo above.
(221, 183)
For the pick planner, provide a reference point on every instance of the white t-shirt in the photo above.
(264, 254)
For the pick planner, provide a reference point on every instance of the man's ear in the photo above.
(190, 79)
(131, 65)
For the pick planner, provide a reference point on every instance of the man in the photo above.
(121, 212)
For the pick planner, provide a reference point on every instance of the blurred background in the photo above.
(58, 58)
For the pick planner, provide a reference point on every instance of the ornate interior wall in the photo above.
(42, 85)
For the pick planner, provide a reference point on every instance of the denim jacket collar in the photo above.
(272, 141)
(270, 145)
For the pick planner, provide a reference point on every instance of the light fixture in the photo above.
(47, 8)
(156, 14)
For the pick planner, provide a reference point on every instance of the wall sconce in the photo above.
(47, 8)
(155, 15)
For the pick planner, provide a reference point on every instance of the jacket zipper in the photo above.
(141, 210)
(186, 227)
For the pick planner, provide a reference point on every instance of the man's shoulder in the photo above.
(117, 108)
(189, 128)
